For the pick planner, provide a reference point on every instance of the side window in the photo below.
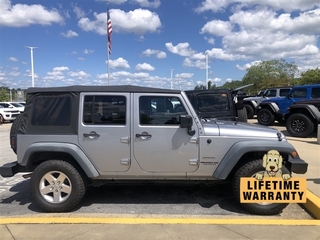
(160, 110)
(52, 110)
(315, 92)
(104, 110)
(284, 92)
(299, 93)
(271, 93)
(213, 102)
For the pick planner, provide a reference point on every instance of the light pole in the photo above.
(206, 70)
(32, 72)
(171, 79)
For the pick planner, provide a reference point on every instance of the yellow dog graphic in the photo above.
(272, 162)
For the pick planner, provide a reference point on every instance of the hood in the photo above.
(240, 129)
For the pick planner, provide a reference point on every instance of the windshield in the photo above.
(17, 105)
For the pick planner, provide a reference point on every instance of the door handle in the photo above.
(92, 134)
(143, 135)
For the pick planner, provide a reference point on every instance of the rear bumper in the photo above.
(10, 169)
(297, 165)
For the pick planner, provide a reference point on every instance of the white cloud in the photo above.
(138, 21)
(60, 69)
(88, 51)
(157, 53)
(22, 15)
(217, 28)
(119, 63)
(146, 3)
(184, 75)
(144, 67)
(13, 59)
(70, 34)
(79, 75)
(182, 49)
(247, 65)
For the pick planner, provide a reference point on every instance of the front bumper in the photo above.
(297, 165)
(10, 169)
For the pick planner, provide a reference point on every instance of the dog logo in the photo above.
(272, 162)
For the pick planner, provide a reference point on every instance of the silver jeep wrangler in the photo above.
(71, 137)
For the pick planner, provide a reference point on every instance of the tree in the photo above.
(311, 76)
(4, 95)
(270, 73)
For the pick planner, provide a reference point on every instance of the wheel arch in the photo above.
(242, 152)
(40, 152)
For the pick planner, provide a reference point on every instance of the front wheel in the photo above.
(1, 119)
(250, 169)
(57, 186)
(299, 125)
(242, 115)
(265, 117)
(250, 111)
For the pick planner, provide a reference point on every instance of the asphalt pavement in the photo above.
(88, 226)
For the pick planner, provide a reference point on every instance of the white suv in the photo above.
(8, 114)
(13, 105)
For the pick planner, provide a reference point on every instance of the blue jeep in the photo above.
(275, 109)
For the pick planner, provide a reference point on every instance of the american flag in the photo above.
(109, 31)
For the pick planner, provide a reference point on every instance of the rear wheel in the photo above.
(250, 169)
(265, 117)
(242, 115)
(299, 125)
(57, 186)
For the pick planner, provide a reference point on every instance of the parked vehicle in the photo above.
(275, 109)
(251, 103)
(218, 104)
(72, 137)
(15, 105)
(8, 114)
(303, 118)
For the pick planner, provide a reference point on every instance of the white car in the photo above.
(8, 114)
(14, 105)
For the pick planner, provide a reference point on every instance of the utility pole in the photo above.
(32, 70)
(171, 79)
(206, 70)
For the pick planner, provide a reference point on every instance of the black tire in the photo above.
(1, 119)
(249, 169)
(63, 201)
(250, 111)
(265, 117)
(242, 115)
(14, 131)
(299, 125)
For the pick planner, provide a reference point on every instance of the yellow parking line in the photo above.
(137, 220)
(313, 204)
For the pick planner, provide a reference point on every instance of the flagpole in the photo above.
(108, 58)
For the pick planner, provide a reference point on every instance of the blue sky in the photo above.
(151, 37)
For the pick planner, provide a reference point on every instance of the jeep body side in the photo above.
(303, 117)
(69, 137)
(251, 103)
(274, 109)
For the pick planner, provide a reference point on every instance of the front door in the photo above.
(104, 130)
(159, 144)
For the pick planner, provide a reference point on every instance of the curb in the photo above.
(312, 204)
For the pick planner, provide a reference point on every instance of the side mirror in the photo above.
(186, 122)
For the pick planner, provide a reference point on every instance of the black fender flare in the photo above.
(71, 149)
(232, 157)
(273, 106)
(313, 110)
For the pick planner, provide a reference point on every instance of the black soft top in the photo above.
(118, 88)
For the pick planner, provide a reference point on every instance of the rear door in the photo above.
(159, 144)
(104, 130)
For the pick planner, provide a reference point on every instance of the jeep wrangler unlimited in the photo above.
(251, 103)
(303, 117)
(276, 108)
(71, 137)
